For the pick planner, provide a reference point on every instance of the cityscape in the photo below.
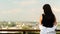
(18, 25)
(21, 25)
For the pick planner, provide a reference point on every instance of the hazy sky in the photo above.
(26, 10)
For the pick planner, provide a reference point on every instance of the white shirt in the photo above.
(45, 29)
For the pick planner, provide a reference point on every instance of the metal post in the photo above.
(24, 32)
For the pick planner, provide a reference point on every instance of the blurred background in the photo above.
(25, 14)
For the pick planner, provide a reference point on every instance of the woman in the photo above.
(48, 22)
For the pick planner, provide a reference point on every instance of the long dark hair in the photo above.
(48, 16)
(47, 9)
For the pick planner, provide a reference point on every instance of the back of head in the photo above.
(47, 9)
(48, 16)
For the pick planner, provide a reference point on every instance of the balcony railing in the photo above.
(24, 31)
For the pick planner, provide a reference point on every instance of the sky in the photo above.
(26, 10)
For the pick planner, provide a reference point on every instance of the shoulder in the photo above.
(41, 17)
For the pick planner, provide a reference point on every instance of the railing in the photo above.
(24, 31)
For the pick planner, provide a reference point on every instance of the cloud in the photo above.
(11, 11)
(56, 9)
(28, 10)
(24, 3)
